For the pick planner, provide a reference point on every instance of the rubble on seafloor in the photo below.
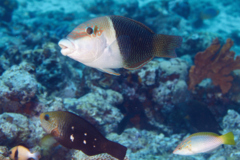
(18, 88)
(133, 109)
(102, 105)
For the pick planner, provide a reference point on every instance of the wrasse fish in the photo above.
(203, 142)
(23, 153)
(74, 132)
(112, 42)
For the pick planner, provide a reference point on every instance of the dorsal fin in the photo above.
(24, 145)
(139, 23)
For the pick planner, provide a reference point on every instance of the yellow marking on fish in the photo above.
(80, 31)
(97, 31)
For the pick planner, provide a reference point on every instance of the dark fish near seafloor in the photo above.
(74, 132)
(110, 42)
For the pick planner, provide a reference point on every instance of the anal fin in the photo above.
(138, 65)
(109, 71)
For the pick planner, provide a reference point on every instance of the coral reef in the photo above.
(17, 128)
(235, 90)
(236, 36)
(182, 8)
(98, 108)
(149, 93)
(165, 80)
(79, 155)
(14, 128)
(4, 153)
(230, 123)
(6, 9)
(18, 88)
(196, 42)
(142, 142)
(143, 109)
(217, 67)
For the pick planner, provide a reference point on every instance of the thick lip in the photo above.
(174, 151)
(67, 46)
(62, 46)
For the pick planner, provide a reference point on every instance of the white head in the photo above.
(86, 42)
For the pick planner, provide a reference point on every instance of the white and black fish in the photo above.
(111, 42)
(21, 152)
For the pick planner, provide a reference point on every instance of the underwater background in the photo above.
(148, 110)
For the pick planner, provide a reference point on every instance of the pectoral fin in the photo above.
(109, 71)
(55, 133)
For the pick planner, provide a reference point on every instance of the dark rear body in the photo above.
(77, 133)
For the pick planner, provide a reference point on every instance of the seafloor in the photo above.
(149, 110)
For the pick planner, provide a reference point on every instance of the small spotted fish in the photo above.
(110, 42)
(74, 132)
(209, 13)
(203, 142)
(21, 152)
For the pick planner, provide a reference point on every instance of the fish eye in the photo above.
(89, 30)
(46, 117)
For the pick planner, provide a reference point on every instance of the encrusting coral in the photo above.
(209, 64)
(79, 155)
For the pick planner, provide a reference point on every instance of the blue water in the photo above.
(149, 110)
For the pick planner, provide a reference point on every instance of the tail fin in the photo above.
(116, 150)
(35, 156)
(165, 45)
(228, 138)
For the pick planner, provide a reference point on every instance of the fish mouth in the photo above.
(67, 46)
(62, 46)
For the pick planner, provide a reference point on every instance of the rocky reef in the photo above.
(148, 110)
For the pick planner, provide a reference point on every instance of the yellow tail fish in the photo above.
(110, 42)
(203, 142)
